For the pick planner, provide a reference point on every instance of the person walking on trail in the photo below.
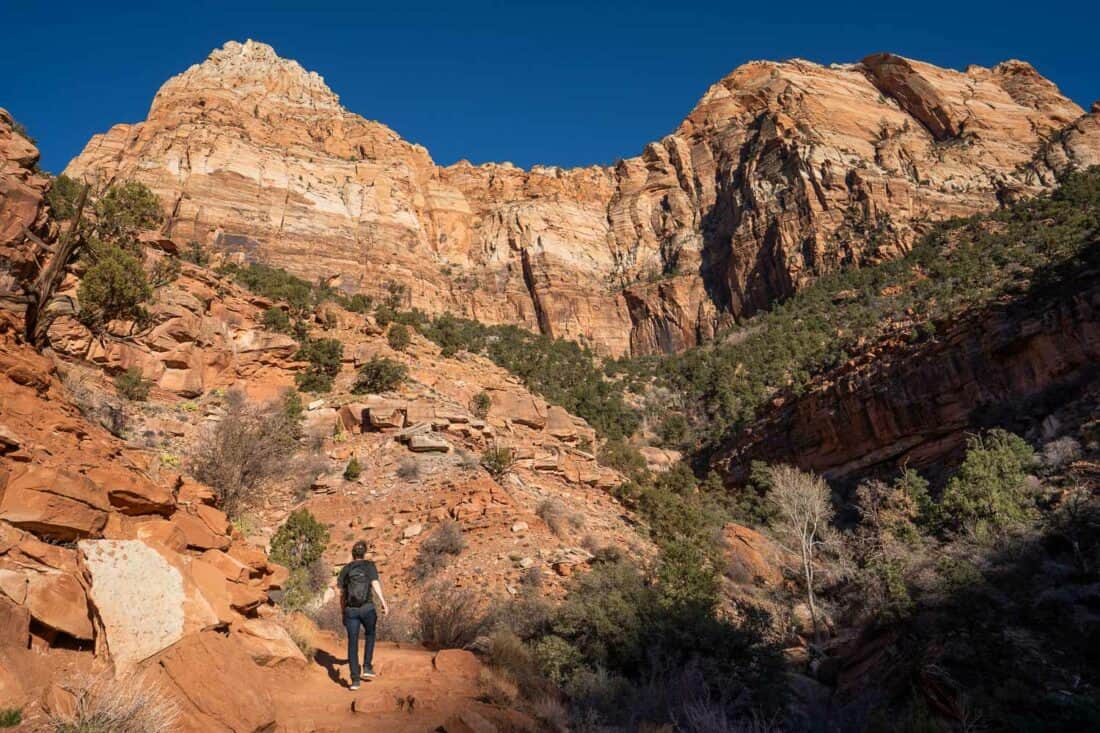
(358, 583)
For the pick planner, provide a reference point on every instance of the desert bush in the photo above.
(328, 617)
(551, 712)
(398, 336)
(989, 490)
(409, 469)
(248, 446)
(379, 374)
(557, 516)
(324, 357)
(481, 404)
(445, 542)
(964, 264)
(357, 303)
(125, 210)
(113, 288)
(299, 541)
(563, 372)
(63, 195)
(399, 625)
(300, 636)
(532, 578)
(132, 385)
(352, 471)
(128, 704)
(10, 717)
(496, 687)
(1061, 452)
(623, 457)
(276, 319)
(275, 284)
(298, 545)
(498, 459)
(451, 618)
(195, 254)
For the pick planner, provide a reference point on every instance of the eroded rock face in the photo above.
(900, 405)
(782, 172)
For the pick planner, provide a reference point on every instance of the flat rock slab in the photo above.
(144, 601)
(428, 443)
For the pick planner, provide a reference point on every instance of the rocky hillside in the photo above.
(782, 172)
(121, 574)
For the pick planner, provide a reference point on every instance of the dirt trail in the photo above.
(416, 690)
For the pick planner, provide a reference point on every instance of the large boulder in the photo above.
(58, 600)
(268, 643)
(753, 558)
(54, 502)
(145, 601)
(132, 493)
(221, 688)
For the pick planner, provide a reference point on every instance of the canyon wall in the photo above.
(1030, 366)
(782, 172)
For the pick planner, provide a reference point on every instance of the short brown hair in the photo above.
(359, 550)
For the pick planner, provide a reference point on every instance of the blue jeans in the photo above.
(366, 617)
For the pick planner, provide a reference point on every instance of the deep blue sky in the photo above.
(567, 83)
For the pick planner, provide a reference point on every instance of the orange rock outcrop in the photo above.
(782, 172)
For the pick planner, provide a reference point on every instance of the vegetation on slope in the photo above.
(715, 390)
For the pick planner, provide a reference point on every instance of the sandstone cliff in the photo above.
(1029, 365)
(783, 171)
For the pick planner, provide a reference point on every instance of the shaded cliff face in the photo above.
(783, 171)
(1030, 365)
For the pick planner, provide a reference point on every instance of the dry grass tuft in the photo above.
(130, 703)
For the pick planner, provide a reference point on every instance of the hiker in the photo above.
(357, 580)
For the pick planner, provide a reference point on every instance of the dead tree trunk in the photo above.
(41, 293)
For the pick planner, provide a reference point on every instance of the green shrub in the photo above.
(497, 459)
(482, 402)
(300, 541)
(720, 388)
(293, 408)
(63, 195)
(623, 457)
(276, 284)
(398, 337)
(358, 303)
(563, 372)
(990, 488)
(352, 471)
(10, 717)
(276, 319)
(195, 254)
(20, 129)
(113, 288)
(125, 210)
(132, 385)
(324, 357)
(380, 374)
(313, 382)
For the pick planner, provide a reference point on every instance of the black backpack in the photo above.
(358, 585)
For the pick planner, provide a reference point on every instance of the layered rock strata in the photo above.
(782, 172)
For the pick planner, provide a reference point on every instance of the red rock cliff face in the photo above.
(782, 172)
(900, 405)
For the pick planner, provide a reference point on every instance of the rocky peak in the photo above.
(784, 171)
(251, 72)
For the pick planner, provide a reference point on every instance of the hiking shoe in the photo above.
(370, 674)
(354, 685)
